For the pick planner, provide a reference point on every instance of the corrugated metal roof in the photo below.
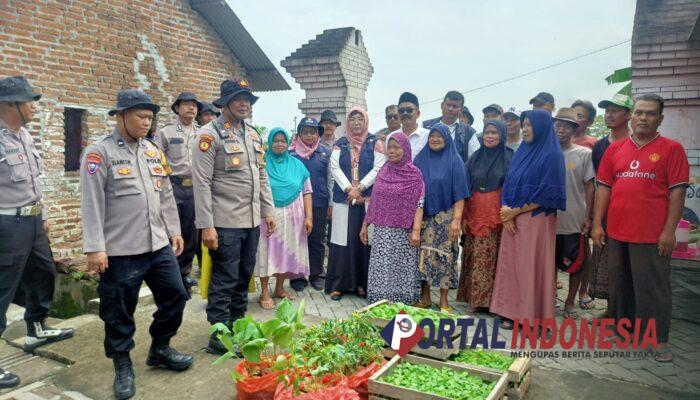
(262, 73)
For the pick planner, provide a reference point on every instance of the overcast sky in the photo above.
(430, 47)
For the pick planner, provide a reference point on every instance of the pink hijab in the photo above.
(356, 141)
(396, 191)
(302, 149)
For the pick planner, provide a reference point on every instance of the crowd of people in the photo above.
(493, 215)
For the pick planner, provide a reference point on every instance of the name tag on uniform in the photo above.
(176, 140)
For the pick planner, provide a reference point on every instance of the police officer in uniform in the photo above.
(131, 234)
(208, 113)
(175, 139)
(25, 255)
(232, 193)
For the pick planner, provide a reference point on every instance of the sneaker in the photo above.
(299, 284)
(39, 334)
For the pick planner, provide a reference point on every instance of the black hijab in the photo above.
(488, 166)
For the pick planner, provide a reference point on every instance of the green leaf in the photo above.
(285, 311)
(627, 90)
(251, 350)
(282, 336)
(228, 355)
(241, 324)
(300, 313)
(268, 327)
(219, 328)
(620, 75)
(251, 332)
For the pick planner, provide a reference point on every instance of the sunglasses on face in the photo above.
(392, 116)
(407, 110)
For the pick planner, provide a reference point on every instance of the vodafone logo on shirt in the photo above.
(633, 172)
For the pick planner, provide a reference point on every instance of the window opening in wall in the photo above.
(73, 132)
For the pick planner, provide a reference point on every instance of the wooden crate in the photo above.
(379, 390)
(440, 354)
(518, 373)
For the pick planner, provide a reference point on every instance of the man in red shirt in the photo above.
(641, 185)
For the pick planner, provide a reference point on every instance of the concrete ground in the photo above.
(77, 369)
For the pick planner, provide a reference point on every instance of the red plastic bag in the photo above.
(256, 387)
(337, 389)
(359, 380)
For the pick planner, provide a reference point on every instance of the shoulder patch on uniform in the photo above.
(205, 140)
(93, 162)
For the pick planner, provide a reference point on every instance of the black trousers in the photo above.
(232, 268)
(26, 260)
(119, 294)
(184, 197)
(640, 285)
(317, 248)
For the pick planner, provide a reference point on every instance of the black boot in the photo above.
(124, 385)
(39, 334)
(8, 379)
(215, 346)
(162, 355)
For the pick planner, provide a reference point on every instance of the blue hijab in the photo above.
(537, 173)
(286, 173)
(444, 174)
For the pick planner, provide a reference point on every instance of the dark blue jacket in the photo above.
(365, 165)
(463, 134)
(317, 165)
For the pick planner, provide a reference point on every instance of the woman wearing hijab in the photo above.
(482, 220)
(446, 187)
(355, 161)
(534, 189)
(308, 149)
(395, 213)
(285, 253)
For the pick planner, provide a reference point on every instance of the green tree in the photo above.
(621, 76)
(598, 128)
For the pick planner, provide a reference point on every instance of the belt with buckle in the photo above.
(186, 182)
(30, 210)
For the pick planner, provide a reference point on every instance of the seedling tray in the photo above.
(379, 389)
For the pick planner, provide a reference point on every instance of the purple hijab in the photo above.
(397, 190)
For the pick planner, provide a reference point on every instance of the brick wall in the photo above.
(672, 70)
(79, 54)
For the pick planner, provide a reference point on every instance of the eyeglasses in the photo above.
(407, 110)
(356, 120)
(392, 116)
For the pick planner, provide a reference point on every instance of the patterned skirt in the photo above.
(393, 267)
(438, 254)
(478, 269)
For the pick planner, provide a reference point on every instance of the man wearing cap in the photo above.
(131, 234)
(513, 135)
(492, 111)
(25, 254)
(232, 195)
(329, 122)
(576, 220)
(409, 112)
(618, 112)
(393, 122)
(308, 148)
(466, 117)
(175, 139)
(543, 101)
(463, 135)
(208, 113)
